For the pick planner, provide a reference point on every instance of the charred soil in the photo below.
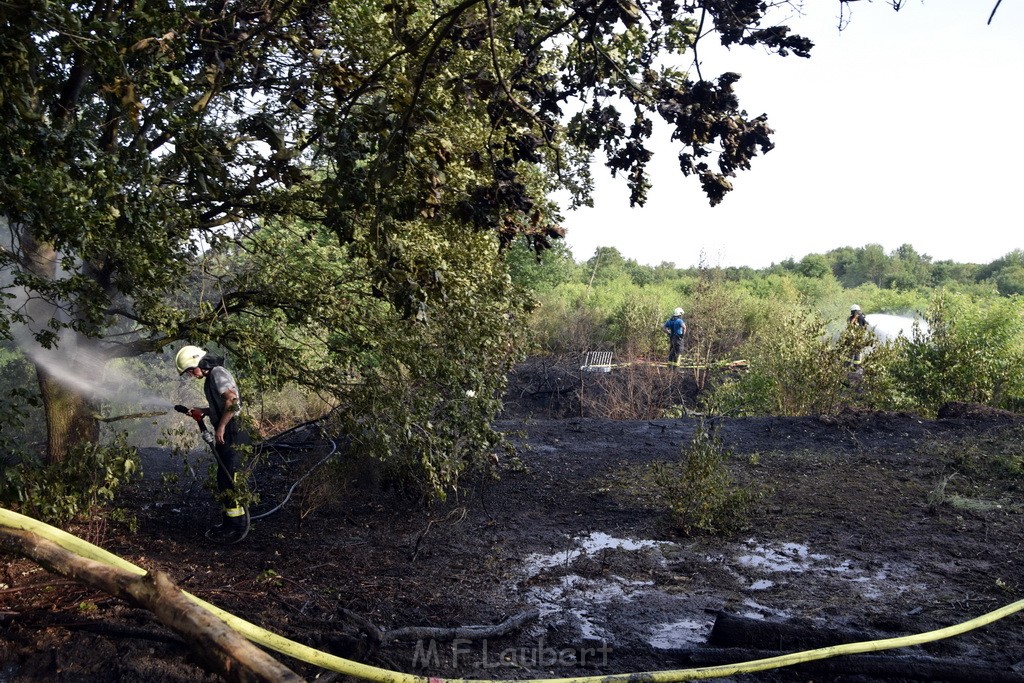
(869, 526)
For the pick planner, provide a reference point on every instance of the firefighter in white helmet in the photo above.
(675, 328)
(857, 323)
(856, 317)
(224, 402)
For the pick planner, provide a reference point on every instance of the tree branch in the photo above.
(220, 647)
(411, 633)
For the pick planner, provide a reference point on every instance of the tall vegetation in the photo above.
(699, 490)
(787, 323)
(795, 368)
(973, 352)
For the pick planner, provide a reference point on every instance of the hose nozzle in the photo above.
(194, 413)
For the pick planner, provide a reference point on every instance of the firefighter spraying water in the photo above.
(224, 402)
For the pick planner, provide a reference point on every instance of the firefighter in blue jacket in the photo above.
(675, 328)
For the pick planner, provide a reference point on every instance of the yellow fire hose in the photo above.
(324, 660)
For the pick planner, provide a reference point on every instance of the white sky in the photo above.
(907, 127)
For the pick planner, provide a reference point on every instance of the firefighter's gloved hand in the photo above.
(208, 438)
(196, 414)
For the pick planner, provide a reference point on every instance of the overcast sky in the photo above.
(906, 127)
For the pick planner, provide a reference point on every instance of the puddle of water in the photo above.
(569, 599)
(795, 558)
(596, 541)
(602, 607)
(679, 634)
(789, 557)
(600, 540)
(599, 609)
(575, 599)
(573, 588)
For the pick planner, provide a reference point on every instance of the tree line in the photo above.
(903, 268)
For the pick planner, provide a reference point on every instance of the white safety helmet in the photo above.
(678, 311)
(187, 358)
(854, 307)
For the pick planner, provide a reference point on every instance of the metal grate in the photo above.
(597, 361)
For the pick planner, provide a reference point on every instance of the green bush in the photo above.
(974, 352)
(699, 490)
(559, 327)
(795, 368)
(719, 319)
(619, 316)
(80, 485)
(636, 327)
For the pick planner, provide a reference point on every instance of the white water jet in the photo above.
(90, 373)
(74, 361)
(888, 327)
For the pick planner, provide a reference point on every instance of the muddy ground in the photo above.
(869, 526)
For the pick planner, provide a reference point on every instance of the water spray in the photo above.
(130, 416)
(888, 327)
(77, 362)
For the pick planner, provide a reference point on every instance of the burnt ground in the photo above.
(868, 526)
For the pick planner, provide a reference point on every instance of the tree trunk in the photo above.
(70, 416)
(69, 413)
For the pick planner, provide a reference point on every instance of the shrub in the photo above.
(719, 319)
(699, 489)
(635, 392)
(974, 353)
(795, 368)
(560, 326)
(82, 484)
(636, 327)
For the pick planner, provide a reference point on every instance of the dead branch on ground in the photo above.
(413, 633)
(219, 646)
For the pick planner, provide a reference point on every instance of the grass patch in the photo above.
(984, 473)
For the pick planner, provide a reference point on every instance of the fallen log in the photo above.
(218, 646)
(412, 633)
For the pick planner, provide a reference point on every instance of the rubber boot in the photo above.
(233, 527)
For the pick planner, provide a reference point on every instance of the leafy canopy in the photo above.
(323, 186)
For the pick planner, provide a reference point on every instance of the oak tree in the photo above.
(324, 187)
